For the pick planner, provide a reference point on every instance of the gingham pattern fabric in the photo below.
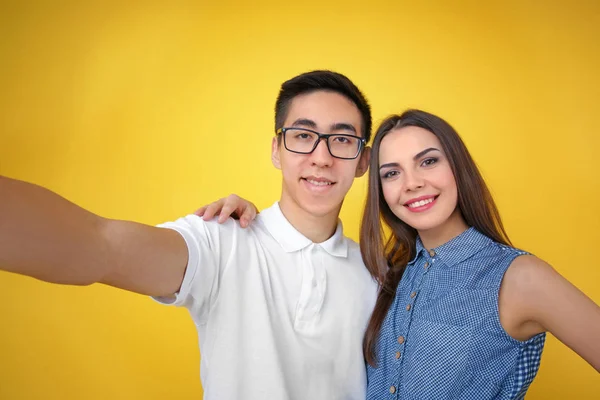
(442, 337)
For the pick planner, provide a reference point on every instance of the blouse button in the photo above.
(431, 253)
(400, 339)
(397, 355)
(408, 307)
(413, 294)
(392, 389)
(426, 265)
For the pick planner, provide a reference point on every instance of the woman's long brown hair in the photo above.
(386, 257)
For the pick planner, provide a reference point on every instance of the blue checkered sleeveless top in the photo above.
(442, 337)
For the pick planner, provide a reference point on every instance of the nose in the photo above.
(321, 157)
(413, 181)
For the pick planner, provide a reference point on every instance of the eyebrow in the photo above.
(307, 123)
(341, 126)
(338, 126)
(419, 155)
(389, 165)
(422, 153)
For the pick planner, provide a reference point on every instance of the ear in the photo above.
(275, 153)
(363, 162)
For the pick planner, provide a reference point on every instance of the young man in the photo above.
(281, 306)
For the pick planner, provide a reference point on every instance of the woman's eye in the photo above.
(429, 161)
(390, 174)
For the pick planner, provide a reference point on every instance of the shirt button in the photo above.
(408, 307)
(392, 389)
(413, 294)
(426, 265)
(431, 253)
(397, 355)
(400, 339)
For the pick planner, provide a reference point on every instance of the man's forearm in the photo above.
(47, 237)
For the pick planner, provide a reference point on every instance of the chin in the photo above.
(423, 223)
(320, 208)
(424, 227)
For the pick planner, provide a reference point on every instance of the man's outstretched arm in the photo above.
(47, 237)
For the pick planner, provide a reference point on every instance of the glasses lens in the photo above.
(299, 140)
(344, 146)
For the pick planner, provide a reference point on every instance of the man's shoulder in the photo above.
(197, 227)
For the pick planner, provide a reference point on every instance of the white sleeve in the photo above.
(200, 284)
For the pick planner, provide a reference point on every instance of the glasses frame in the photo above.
(320, 136)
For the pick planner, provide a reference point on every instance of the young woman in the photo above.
(461, 313)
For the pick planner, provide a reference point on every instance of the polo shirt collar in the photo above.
(291, 240)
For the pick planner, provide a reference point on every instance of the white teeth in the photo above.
(420, 203)
(316, 183)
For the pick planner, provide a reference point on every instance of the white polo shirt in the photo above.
(278, 316)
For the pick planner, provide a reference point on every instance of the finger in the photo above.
(199, 212)
(247, 216)
(232, 206)
(234, 198)
(211, 210)
(254, 211)
(236, 204)
(226, 212)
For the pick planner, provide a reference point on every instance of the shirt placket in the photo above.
(312, 291)
(406, 304)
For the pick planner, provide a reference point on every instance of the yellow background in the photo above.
(146, 111)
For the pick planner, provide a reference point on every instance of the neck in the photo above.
(317, 228)
(435, 237)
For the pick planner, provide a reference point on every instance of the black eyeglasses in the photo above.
(305, 141)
